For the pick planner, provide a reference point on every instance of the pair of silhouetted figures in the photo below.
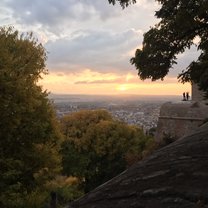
(186, 96)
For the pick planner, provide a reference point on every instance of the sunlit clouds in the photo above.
(89, 44)
(92, 82)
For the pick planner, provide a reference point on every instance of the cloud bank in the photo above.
(82, 35)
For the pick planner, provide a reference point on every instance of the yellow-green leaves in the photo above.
(29, 135)
(97, 147)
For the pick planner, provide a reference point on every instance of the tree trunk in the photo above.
(53, 200)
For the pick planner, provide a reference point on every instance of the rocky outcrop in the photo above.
(174, 176)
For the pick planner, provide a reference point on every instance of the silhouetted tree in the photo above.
(181, 21)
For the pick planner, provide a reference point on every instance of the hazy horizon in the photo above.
(113, 95)
(114, 98)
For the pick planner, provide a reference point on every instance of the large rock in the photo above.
(174, 176)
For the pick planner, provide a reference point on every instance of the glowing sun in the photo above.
(122, 88)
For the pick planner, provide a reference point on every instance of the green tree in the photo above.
(181, 21)
(29, 135)
(98, 147)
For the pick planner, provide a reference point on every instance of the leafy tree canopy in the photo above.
(97, 147)
(181, 21)
(29, 135)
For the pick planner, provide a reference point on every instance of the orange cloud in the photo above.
(92, 82)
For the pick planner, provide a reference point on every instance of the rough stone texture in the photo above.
(174, 176)
(197, 95)
(179, 119)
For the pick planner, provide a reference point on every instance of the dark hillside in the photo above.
(174, 176)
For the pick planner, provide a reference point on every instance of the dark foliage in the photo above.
(181, 21)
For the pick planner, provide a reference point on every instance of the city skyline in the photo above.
(90, 43)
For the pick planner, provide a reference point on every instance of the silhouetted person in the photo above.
(53, 200)
(187, 96)
(184, 96)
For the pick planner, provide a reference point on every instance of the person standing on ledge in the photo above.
(184, 96)
(187, 96)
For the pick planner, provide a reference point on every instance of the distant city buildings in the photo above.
(139, 113)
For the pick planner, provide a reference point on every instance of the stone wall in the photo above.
(180, 119)
(197, 95)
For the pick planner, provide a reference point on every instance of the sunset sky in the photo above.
(90, 43)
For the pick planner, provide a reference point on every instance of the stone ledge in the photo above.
(181, 118)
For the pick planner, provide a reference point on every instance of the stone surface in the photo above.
(197, 95)
(174, 176)
(180, 118)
